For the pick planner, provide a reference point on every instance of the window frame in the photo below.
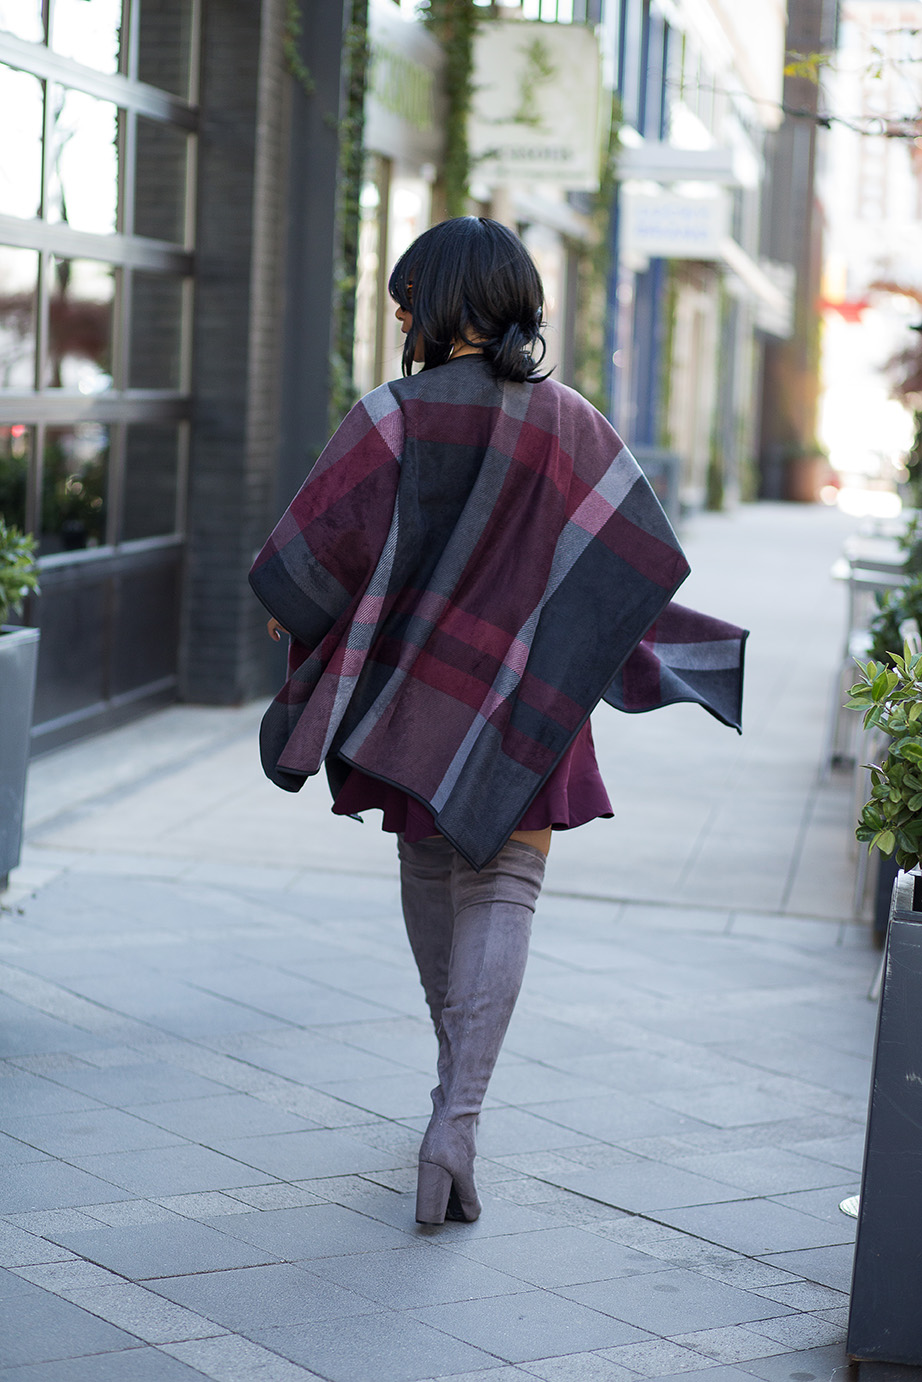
(43, 406)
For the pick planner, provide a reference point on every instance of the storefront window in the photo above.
(80, 310)
(165, 45)
(89, 31)
(18, 290)
(156, 332)
(160, 181)
(20, 143)
(23, 18)
(83, 162)
(15, 455)
(151, 483)
(74, 479)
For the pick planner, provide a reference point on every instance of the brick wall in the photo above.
(243, 211)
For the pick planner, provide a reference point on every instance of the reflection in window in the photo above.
(165, 45)
(89, 31)
(160, 181)
(151, 481)
(156, 332)
(18, 284)
(21, 143)
(23, 18)
(15, 453)
(83, 162)
(76, 464)
(80, 311)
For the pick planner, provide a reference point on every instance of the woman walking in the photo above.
(472, 564)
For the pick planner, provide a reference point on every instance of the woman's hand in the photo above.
(275, 630)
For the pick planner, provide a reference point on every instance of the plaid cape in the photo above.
(468, 569)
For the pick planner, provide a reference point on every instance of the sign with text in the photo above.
(404, 101)
(535, 112)
(663, 225)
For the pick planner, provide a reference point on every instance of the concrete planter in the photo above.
(18, 660)
(885, 1319)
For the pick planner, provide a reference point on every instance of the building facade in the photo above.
(174, 259)
(167, 266)
(694, 296)
(790, 466)
(872, 283)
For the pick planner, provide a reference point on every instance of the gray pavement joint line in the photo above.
(84, 1013)
(678, 906)
(652, 1219)
(698, 844)
(561, 894)
(111, 796)
(40, 998)
(800, 838)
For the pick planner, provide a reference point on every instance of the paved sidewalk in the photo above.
(216, 1060)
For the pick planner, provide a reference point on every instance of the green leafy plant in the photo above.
(356, 57)
(291, 38)
(891, 698)
(18, 571)
(903, 602)
(454, 23)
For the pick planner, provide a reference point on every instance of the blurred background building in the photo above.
(199, 205)
(872, 286)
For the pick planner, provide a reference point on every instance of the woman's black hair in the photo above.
(472, 279)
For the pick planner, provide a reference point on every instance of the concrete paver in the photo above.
(215, 1060)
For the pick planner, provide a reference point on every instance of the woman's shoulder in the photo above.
(569, 406)
(467, 379)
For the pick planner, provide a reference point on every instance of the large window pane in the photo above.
(156, 332)
(83, 162)
(76, 464)
(151, 480)
(80, 310)
(89, 31)
(15, 451)
(160, 181)
(23, 18)
(18, 288)
(165, 44)
(20, 143)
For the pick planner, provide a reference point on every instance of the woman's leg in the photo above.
(541, 839)
(425, 891)
(492, 924)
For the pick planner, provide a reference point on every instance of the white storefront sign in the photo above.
(535, 113)
(404, 104)
(663, 225)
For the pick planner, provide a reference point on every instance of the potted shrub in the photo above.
(18, 659)
(885, 1319)
(896, 608)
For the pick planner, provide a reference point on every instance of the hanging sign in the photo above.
(669, 226)
(536, 104)
(404, 101)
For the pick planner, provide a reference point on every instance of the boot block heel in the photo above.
(433, 1188)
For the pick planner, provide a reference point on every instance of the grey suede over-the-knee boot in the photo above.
(492, 926)
(428, 911)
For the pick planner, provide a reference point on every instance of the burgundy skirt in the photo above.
(573, 794)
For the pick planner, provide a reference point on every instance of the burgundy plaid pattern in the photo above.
(469, 568)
